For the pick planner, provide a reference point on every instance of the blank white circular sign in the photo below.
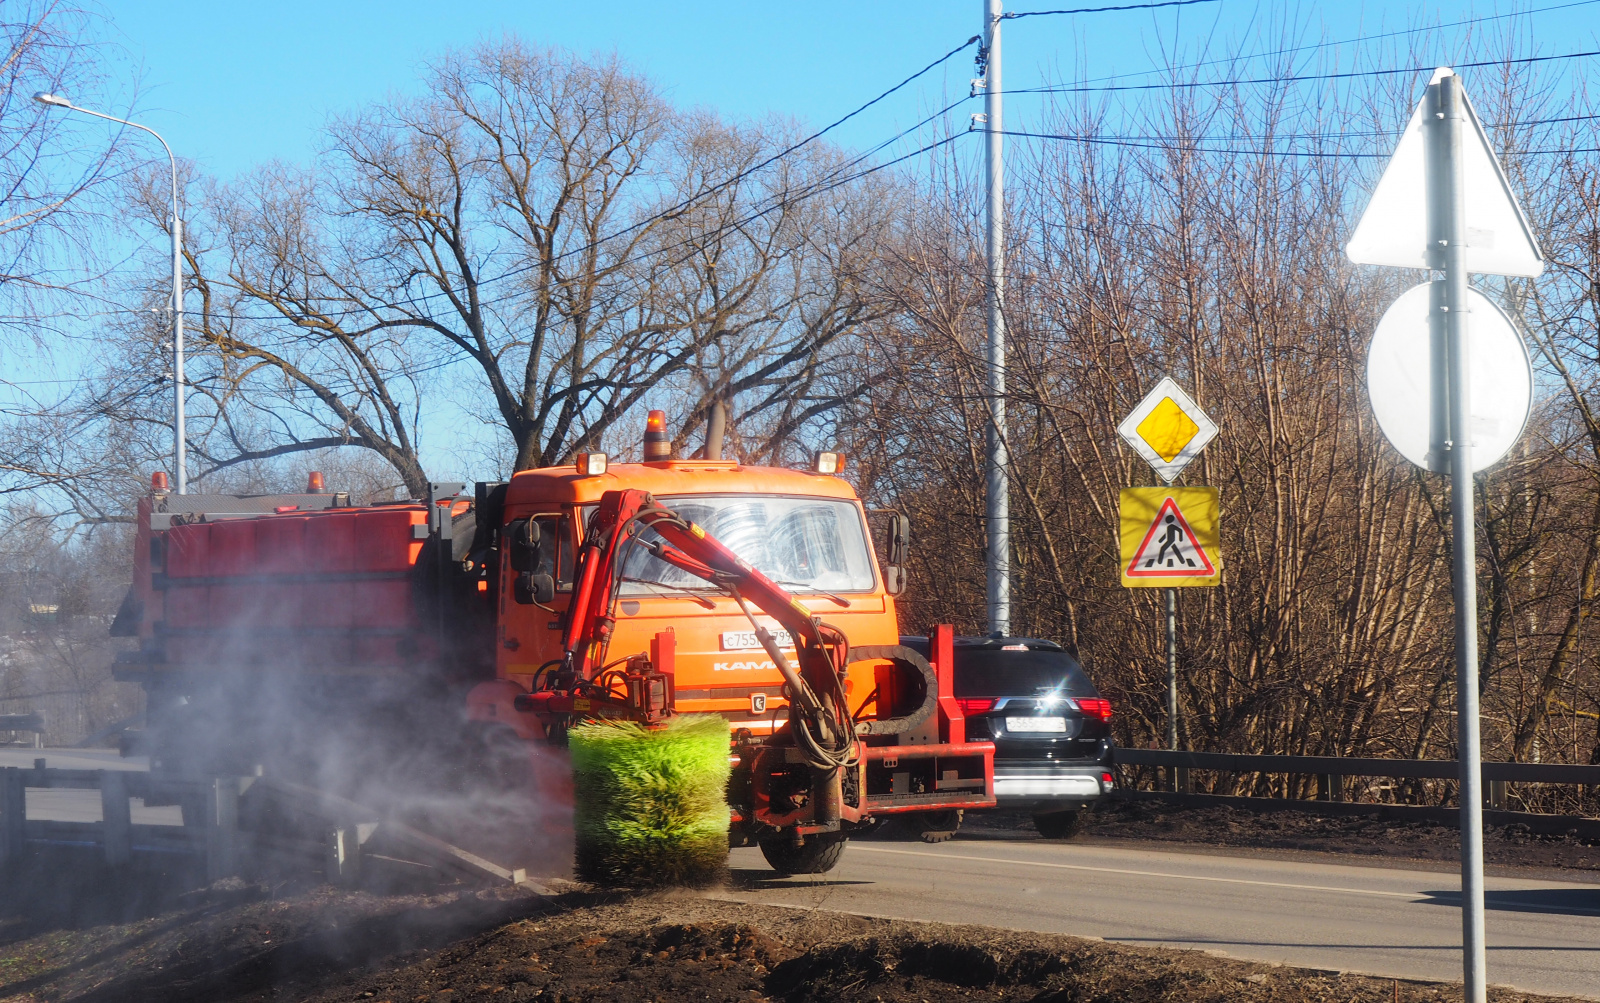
(1398, 379)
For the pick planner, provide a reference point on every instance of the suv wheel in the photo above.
(1059, 824)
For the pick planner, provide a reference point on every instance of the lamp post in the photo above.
(180, 467)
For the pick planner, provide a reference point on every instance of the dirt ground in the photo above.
(243, 944)
(1362, 836)
(72, 930)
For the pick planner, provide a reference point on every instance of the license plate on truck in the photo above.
(1055, 724)
(745, 640)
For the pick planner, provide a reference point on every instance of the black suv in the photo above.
(1051, 728)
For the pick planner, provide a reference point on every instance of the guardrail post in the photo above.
(344, 856)
(222, 828)
(13, 814)
(1497, 795)
(1184, 786)
(117, 821)
(1330, 787)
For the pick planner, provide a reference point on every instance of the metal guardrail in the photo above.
(33, 722)
(333, 827)
(1341, 766)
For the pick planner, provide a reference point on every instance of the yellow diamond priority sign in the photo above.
(1169, 537)
(1167, 429)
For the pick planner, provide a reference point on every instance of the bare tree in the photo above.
(543, 229)
(52, 170)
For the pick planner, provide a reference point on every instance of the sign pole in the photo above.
(1171, 596)
(1447, 211)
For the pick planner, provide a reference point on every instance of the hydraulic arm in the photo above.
(819, 717)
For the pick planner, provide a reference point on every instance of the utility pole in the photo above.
(1446, 213)
(997, 493)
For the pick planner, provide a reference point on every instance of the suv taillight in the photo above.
(1095, 707)
(975, 706)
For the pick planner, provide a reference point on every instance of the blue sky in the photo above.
(232, 85)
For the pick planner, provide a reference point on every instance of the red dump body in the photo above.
(285, 588)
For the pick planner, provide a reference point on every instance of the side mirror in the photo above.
(531, 588)
(523, 542)
(897, 547)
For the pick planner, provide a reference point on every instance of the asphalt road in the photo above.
(1544, 936)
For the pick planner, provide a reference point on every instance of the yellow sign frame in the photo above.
(1191, 517)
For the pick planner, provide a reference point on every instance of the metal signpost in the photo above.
(1169, 535)
(1444, 204)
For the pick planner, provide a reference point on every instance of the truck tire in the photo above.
(936, 826)
(1059, 824)
(819, 854)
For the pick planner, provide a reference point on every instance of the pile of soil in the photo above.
(1512, 845)
(327, 945)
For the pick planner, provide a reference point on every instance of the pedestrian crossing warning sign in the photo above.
(1169, 537)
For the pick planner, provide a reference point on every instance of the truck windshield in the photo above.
(815, 543)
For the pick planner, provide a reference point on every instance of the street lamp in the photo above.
(178, 458)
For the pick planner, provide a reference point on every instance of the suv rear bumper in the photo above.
(1059, 785)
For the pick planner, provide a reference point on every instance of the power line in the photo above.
(1101, 10)
(1182, 145)
(1349, 41)
(1193, 84)
(1288, 136)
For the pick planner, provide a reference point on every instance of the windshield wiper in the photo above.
(808, 587)
(691, 593)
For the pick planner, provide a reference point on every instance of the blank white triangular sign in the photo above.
(1394, 229)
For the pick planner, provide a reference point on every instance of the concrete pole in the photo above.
(1448, 232)
(997, 493)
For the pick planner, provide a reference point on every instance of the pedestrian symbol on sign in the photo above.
(1168, 548)
(1170, 542)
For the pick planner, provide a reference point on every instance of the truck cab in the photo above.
(807, 531)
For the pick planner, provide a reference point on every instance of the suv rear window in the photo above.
(990, 672)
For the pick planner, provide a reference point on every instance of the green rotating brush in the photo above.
(651, 804)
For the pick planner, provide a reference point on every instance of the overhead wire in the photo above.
(1101, 10)
(1310, 46)
(1299, 78)
(1162, 142)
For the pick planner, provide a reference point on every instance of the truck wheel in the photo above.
(1059, 824)
(937, 826)
(819, 854)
